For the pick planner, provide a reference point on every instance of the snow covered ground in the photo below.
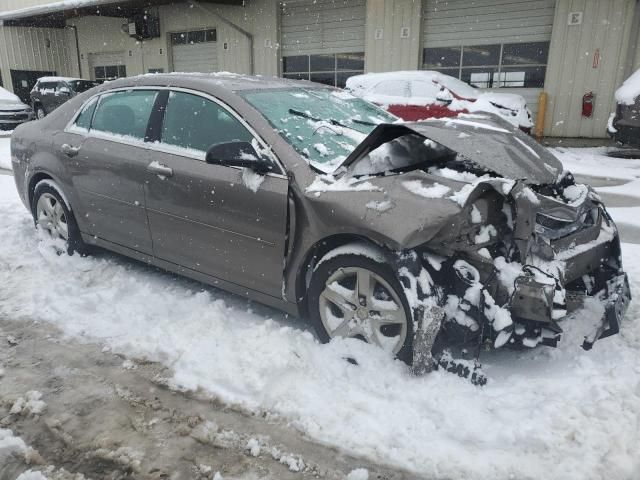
(546, 413)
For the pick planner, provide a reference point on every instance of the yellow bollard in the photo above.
(542, 111)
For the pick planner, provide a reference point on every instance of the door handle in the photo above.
(159, 169)
(69, 150)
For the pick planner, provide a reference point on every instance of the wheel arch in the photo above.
(319, 250)
(40, 177)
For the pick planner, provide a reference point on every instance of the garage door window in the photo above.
(509, 65)
(195, 36)
(195, 123)
(124, 113)
(109, 72)
(329, 69)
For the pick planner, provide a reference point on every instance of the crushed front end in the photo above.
(519, 258)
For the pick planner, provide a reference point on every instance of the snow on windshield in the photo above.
(322, 124)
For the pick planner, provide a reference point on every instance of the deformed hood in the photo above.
(484, 139)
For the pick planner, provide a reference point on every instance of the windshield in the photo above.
(80, 86)
(323, 125)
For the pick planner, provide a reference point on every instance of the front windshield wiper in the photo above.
(332, 121)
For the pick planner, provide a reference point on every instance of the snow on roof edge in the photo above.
(51, 8)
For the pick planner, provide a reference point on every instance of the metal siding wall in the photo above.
(570, 74)
(393, 52)
(483, 22)
(258, 17)
(323, 26)
(23, 48)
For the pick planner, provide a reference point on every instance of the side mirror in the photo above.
(444, 96)
(238, 154)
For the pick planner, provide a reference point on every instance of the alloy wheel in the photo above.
(51, 217)
(358, 303)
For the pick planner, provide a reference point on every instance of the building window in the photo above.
(109, 72)
(194, 36)
(506, 65)
(329, 69)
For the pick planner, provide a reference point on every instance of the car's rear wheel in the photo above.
(354, 296)
(52, 215)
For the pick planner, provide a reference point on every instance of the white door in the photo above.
(195, 51)
(495, 44)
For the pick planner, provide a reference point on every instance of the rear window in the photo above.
(81, 85)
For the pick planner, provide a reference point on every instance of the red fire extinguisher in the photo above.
(587, 104)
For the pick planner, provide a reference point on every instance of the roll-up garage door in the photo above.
(323, 40)
(493, 44)
(195, 51)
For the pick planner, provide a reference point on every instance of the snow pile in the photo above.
(358, 474)
(546, 413)
(30, 404)
(630, 90)
(5, 152)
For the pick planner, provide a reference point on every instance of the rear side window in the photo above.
(83, 121)
(196, 123)
(125, 113)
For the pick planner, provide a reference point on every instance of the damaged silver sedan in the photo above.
(430, 239)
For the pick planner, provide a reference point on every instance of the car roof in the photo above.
(212, 82)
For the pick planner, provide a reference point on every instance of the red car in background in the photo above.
(422, 94)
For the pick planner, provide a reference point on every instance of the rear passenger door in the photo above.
(212, 218)
(107, 158)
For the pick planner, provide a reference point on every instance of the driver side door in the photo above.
(211, 218)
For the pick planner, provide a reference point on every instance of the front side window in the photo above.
(196, 123)
(322, 124)
(330, 69)
(125, 113)
(508, 65)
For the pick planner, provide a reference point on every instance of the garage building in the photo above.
(569, 49)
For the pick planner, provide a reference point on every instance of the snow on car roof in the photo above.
(61, 79)
(630, 90)
(387, 84)
(7, 97)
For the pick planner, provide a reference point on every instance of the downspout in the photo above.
(228, 22)
(75, 33)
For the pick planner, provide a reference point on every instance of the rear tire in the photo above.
(355, 296)
(50, 212)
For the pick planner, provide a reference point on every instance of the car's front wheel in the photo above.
(52, 215)
(40, 113)
(355, 296)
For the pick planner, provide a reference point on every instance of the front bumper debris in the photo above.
(616, 301)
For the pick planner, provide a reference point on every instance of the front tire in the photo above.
(52, 215)
(40, 113)
(354, 296)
